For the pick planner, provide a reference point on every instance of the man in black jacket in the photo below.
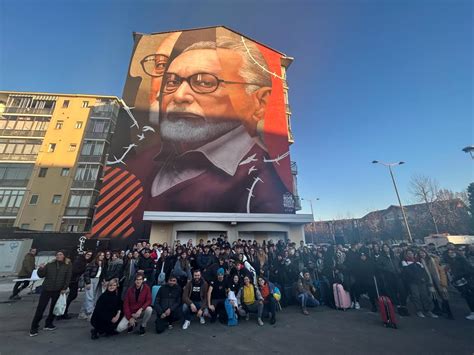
(57, 275)
(147, 267)
(168, 305)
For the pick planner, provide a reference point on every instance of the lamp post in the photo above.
(389, 165)
(312, 214)
(469, 149)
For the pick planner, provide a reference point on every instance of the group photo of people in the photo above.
(160, 286)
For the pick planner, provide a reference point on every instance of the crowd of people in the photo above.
(219, 280)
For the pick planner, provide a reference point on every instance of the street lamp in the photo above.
(469, 149)
(389, 165)
(312, 214)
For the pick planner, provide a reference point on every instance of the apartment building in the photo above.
(52, 153)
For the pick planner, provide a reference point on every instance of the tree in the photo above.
(425, 189)
(470, 199)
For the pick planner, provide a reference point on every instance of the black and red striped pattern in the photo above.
(120, 195)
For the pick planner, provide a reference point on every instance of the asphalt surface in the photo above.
(324, 331)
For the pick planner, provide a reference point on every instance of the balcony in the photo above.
(294, 168)
(29, 110)
(90, 159)
(78, 184)
(101, 114)
(18, 157)
(9, 211)
(22, 133)
(13, 183)
(291, 138)
(70, 211)
(297, 202)
(287, 108)
(97, 135)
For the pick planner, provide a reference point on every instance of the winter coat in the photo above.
(204, 260)
(364, 272)
(240, 295)
(131, 305)
(460, 268)
(108, 304)
(188, 290)
(91, 271)
(114, 270)
(168, 297)
(57, 275)
(147, 265)
(78, 268)
(27, 267)
(181, 272)
(413, 272)
(386, 264)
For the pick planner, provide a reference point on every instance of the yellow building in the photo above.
(52, 152)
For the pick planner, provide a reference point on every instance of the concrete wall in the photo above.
(167, 232)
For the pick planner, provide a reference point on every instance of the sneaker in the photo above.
(33, 332)
(247, 316)
(431, 314)
(170, 326)
(94, 334)
(259, 321)
(352, 305)
(272, 320)
(305, 312)
(420, 314)
(186, 324)
(141, 331)
(15, 298)
(50, 327)
(66, 316)
(202, 320)
(357, 305)
(470, 317)
(82, 316)
(129, 330)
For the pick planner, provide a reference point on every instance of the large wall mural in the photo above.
(204, 130)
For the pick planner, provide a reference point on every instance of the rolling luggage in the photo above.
(387, 311)
(342, 298)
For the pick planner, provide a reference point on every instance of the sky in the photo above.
(371, 80)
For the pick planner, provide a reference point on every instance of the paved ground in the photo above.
(325, 331)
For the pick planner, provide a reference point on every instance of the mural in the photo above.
(204, 129)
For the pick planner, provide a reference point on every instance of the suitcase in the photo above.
(154, 292)
(342, 298)
(387, 311)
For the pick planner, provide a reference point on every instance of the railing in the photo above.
(22, 133)
(29, 110)
(73, 211)
(13, 183)
(90, 159)
(19, 157)
(294, 168)
(291, 138)
(297, 202)
(285, 83)
(288, 108)
(96, 135)
(9, 211)
(84, 184)
(102, 114)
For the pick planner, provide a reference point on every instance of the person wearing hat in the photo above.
(216, 295)
(57, 275)
(168, 304)
(147, 267)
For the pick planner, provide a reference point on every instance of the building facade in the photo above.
(52, 154)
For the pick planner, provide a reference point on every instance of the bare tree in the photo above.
(425, 189)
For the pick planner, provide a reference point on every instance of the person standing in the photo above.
(57, 275)
(26, 270)
(93, 276)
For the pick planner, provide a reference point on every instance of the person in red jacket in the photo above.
(136, 306)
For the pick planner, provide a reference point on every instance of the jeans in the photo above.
(187, 310)
(467, 291)
(306, 300)
(219, 309)
(45, 297)
(270, 307)
(19, 286)
(92, 294)
(144, 316)
(162, 323)
(255, 307)
(73, 287)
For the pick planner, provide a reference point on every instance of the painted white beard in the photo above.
(188, 131)
(154, 114)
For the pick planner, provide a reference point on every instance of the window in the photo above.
(78, 125)
(42, 172)
(87, 172)
(65, 103)
(85, 104)
(59, 125)
(65, 172)
(73, 228)
(56, 199)
(51, 147)
(25, 226)
(48, 227)
(34, 199)
(9, 172)
(10, 201)
(92, 148)
(72, 147)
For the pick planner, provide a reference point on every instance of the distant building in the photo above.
(52, 153)
(451, 216)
